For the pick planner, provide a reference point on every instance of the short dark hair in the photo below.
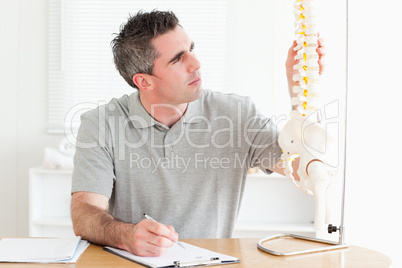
(132, 48)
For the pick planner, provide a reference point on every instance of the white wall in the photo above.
(23, 83)
(8, 141)
(373, 196)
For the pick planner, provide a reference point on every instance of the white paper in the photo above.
(41, 249)
(176, 253)
(82, 246)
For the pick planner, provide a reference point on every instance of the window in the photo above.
(238, 45)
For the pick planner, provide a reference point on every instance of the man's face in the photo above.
(176, 72)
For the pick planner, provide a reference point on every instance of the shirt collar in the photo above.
(194, 112)
(142, 119)
(138, 115)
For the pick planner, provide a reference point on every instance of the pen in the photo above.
(150, 218)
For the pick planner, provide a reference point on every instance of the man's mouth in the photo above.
(196, 81)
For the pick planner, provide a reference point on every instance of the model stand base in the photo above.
(291, 244)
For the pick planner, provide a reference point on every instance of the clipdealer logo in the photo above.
(197, 161)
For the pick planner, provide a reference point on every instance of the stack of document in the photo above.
(42, 250)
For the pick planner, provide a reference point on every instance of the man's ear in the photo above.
(142, 81)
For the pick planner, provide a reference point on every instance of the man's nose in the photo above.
(193, 63)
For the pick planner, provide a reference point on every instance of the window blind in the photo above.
(81, 69)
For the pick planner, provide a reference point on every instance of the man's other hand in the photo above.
(290, 62)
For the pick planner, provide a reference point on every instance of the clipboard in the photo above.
(178, 257)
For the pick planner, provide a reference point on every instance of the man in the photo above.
(172, 149)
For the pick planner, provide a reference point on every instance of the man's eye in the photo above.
(177, 60)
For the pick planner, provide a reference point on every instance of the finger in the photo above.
(321, 64)
(159, 241)
(151, 238)
(155, 251)
(144, 242)
(321, 53)
(320, 42)
(149, 250)
(141, 246)
(171, 228)
(291, 50)
(294, 44)
(321, 48)
(291, 61)
(162, 230)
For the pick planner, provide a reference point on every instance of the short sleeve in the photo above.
(93, 160)
(262, 137)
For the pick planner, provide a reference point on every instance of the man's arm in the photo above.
(92, 222)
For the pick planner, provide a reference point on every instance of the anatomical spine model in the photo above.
(303, 136)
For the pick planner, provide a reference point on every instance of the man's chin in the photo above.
(197, 94)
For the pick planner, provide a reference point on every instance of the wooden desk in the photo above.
(244, 249)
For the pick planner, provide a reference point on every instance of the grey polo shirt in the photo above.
(191, 175)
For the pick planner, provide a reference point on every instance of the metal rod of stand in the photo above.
(342, 224)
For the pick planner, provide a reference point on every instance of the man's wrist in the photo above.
(116, 232)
